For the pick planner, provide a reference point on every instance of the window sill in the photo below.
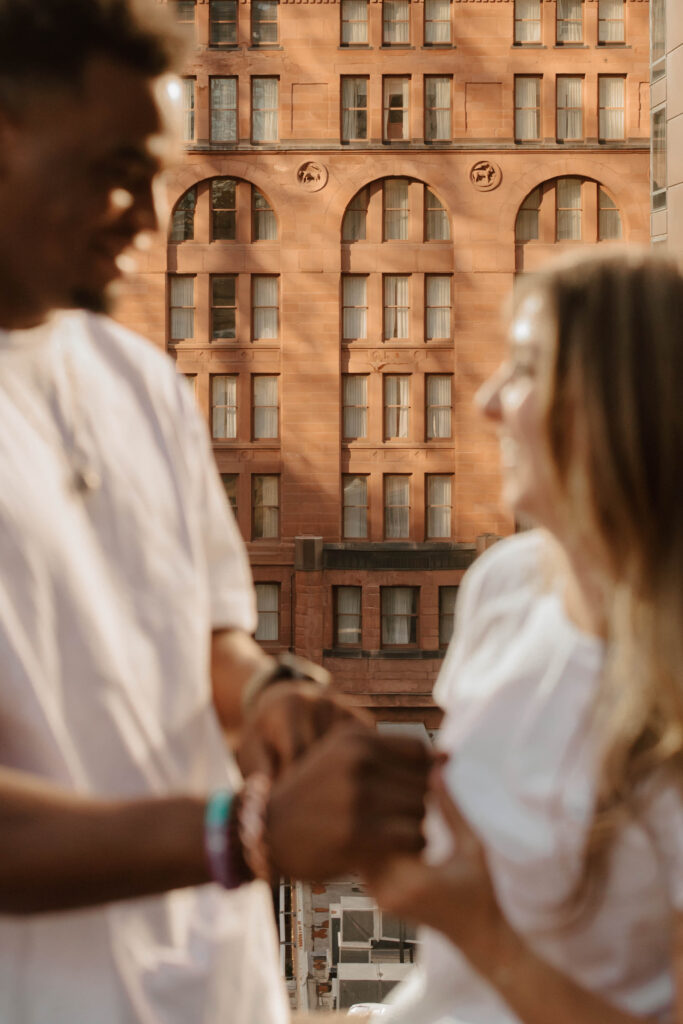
(528, 46)
(439, 46)
(389, 654)
(354, 46)
(265, 48)
(571, 46)
(397, 46)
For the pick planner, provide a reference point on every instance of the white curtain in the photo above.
(266, 506)
(265, 307)
(396, 406)
(224, 406)
(268, 606)
(527, 227)
(349, 615)
(354, 303)
(611, 92)
(353, 227)
(396, 21)
(527, 21)
(438, 229)
(396, 108)
(439, 506)
(355, 405)
(265, 407)
(569, 21)
(396, 209)
(264, 109)
(188, 109)
(611, 21)
(438, 306)
(398, 615)
(397, 507)
(438, 406)
(224, 109)
(568, 209)
(355, 506)
(265, 224)
(447, 598)
(437, 21)
(354, 108)
(396, 307)
(182, 319)
(527, 108)
(354, 21)
(437, 108)
(609, 220)
(569, 108)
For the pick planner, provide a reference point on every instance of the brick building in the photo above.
(667, 124)
(363, 180)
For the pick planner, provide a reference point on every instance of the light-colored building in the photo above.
(667, 123)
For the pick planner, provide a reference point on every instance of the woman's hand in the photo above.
(455, 897)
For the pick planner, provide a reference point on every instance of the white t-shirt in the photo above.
(518, 686)
(107, 602)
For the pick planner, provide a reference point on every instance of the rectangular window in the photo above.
(355, 507)
(264, 224)
(447, 599)
(182, 223)
(396, 406)
(439, 506)
(527, 108)
(224, 407)
(569, 21)
(184, 12)
(188, 109)
(223, 22)
(181, 307)
(396, 209)
(658, 38)
(347, 604)
(224, 209)
(354, 22)
(659, 174)
(265, 505)
(354, 92)
(224, 307)
(396, 307)
(437, 228)
(438, 90)
(355, 218)
(229, 481)
(527, 21)
(439, 405)
(399, 616)
(395, 22)
(264, 22)
(611, 16)
(264, 109)
(397, 108)
(265, 306)
(268, 608)
(397, 506)
(609, 221)
(354, 307)
(265, 407)
(611, 92)
(569, 108)
(355, 405)
(569, 209)
(223, 109)
(437, 306)
(437, 22)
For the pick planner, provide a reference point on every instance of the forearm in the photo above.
(61, 851)
(235, 658)
(528, 985)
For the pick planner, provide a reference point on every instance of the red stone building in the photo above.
(362, 182)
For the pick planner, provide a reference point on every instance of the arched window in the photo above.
(568, 209)
(396, 210)
(234, 210)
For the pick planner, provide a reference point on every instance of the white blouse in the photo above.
(518, 687)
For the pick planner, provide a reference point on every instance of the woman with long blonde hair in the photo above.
(553, 892)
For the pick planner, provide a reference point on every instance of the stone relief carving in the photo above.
(485, 175)
(312, 176)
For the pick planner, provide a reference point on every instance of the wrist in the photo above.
(285, 668)
(222, 845)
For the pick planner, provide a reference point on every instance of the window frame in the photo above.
(436, 338)
(443, 644)
(405, 123)
(234, 505)
(220, 21)
(254, 507)
(621, 21)
(189, 111)
(386, 306)
(435, 109)
(567, 22)
(428, 506)
(438, 21)
(414, 617)
(268, 21)
(429, 406)
(386, 507)
(401, 21)
(171, 307)
(213, 405)
(366, 507)
(348, 405)
(253, 407)
(337, 642)
(253, 110)
(278, 590)
(566, 109)
(396, 410)
(343, 109)
(223, 209)
(612, 138)
(254, 307)
(212, 306)
(518, 21)
(519, 139)
(215, 109)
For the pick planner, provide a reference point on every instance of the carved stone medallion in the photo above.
(485, 176)
(312, 176)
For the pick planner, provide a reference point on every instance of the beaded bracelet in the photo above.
(252, 824)
(216, 839)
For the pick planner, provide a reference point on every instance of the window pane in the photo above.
(265, 312)
(569, 108)
(264, 22)
(611, 96)
(224, 406)
(438, 406)
(569, 21)
(568, 209)
(396, 19)
(438, 321)
(527, 227)
(268, 607)
(355, 506)
(609, 221)
(264, 222)
(611, 21)
(437, 227)
(447, 599)
(266, 407)
(438, 506)
(397, 507)
(182, 222)
(527, 108)
(399, 615)
(396, 209)
(396, 108)
(396, 406)
(265, 505)
(437, 22)
(181, 307)
(355, 218)
(354, 109)
(437, 108)
(264, 121)
(354, 300)
(229, 481)
(223, 22)
(396, 307)
(223, 109)
(527, 21)
(354, 29)
(348, 602)
(188, 109)
(355, 405)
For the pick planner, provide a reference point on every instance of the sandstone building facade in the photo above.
(362, 182)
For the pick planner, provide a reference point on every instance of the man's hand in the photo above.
(353, 800)
(286, 720)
